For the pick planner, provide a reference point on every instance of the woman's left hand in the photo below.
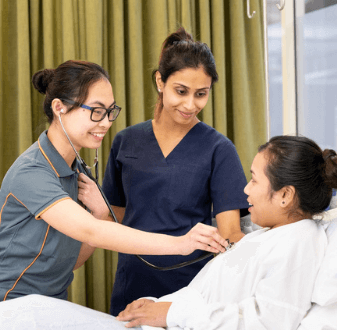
(145, 312)
(91, 197)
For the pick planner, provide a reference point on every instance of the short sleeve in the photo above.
(37, 188)
(112, 182)
(228, 179)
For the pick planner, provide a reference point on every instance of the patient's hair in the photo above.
(71, 80)
(180, 51)
(299, 162)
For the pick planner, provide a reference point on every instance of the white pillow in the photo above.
(325, 289)
(323, 313)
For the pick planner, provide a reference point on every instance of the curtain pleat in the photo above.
(125, 37)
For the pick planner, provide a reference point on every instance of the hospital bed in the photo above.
(35, 312)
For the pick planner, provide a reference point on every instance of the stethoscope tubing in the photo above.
(177, 266)
(88, 173)
(180, 265)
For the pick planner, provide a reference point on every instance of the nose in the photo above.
(246, 190)
(105, 122)
(189, 103)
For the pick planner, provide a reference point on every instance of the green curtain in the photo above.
(125, 37)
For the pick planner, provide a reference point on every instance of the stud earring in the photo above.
(159, 90)
(283, 202)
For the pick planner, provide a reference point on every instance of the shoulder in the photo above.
(30, 160)
(303, 229)
(215, 141)
(302, 238)
(132, 132)
(213, 135)
(139, 128)
(28, 170)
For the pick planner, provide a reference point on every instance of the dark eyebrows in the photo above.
(199, 89)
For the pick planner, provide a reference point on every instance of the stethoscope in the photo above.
(87, 171)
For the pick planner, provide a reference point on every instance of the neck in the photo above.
(59, 140)
(166, 125)
(293, 218)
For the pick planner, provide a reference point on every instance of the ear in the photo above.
(159, 82)
(287, 196)
(57, 107)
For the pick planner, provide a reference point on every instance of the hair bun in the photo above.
(180, 35)
(328, 153)
(330, 158)
(42, 79)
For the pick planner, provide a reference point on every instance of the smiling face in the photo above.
(83, 132)
(267, 209)
(185, 94)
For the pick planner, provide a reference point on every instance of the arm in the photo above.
(119, 213)
(72, 220)
(227, 191)
(85, 252)
(228, 223)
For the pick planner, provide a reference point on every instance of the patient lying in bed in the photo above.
(264, 282)
(267, 280)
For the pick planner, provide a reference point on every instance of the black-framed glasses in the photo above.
(98, 113)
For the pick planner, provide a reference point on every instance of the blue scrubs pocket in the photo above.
(189, 185)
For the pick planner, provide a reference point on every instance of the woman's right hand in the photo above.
(91, 197)
(203, 237)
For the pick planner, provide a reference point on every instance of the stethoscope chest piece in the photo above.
(230, 245)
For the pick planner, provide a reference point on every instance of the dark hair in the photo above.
(180, 51)
(299, 162)
(71, 80)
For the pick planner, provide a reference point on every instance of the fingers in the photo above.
(82, 177)
(90, 196)
(210, 245)
(145, 313)
(208, 238)
(133, 313)
(133, 306)
(135, 323)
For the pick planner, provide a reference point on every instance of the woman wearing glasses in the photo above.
(44, 233)
(166, 174)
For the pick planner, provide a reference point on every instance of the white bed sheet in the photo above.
(36, 312)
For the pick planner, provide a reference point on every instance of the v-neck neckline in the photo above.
(177, 146)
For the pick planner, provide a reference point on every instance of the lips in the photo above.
(186, 114)
(100, 135)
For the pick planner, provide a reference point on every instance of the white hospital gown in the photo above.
(264, 282)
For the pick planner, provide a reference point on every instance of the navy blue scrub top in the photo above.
(34, 257)
(168, 195)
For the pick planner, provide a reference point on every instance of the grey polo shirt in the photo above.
(34, 257)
